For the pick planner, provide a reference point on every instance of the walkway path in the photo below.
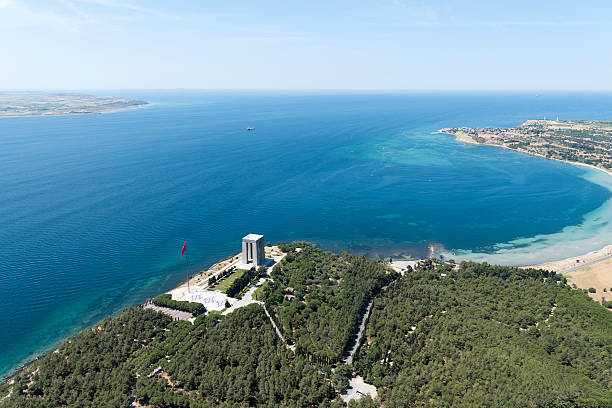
(220, 271)
(357, 388)
(280, 336)
(349, 358)
(247, 299)
(537, 324)
(9, 393)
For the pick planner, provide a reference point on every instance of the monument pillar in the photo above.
(253, 250)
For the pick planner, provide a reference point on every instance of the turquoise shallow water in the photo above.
(94, 209)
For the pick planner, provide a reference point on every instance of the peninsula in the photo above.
(46, 104)
(577, 141)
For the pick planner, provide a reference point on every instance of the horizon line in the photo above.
(308, 89)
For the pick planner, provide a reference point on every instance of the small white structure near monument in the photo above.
(253, 251)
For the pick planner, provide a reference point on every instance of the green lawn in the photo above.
(226, 283)
(258, 294)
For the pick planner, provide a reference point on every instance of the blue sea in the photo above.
(94, 209)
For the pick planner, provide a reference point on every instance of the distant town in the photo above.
(581, 141)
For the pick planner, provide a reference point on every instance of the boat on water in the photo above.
(250, 128)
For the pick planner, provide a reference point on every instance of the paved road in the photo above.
(585, 264)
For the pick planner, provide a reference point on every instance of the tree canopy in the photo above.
(464, 335)
(487, 336)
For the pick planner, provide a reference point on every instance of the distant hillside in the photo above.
(474, 335)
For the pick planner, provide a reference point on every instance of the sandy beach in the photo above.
(465, 138)
(567, 263)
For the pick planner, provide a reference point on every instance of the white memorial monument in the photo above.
(253, 252)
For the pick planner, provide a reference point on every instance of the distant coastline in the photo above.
(464, 138)
(20, 104)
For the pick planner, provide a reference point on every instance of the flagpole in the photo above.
(187, 261)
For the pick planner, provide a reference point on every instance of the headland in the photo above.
(586, 142)
(50, 104)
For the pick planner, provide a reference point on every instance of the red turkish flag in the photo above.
(184, 249)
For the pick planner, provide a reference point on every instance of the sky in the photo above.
(311, 45)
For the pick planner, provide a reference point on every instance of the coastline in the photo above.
(32, 103)
(574, 261)
(469, 140)
(563, 263)
(195, 278)
(101, 112)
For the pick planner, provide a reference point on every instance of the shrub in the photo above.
(208, 320)
(165, 300)
(244, 280)
(340, 378)
(592, 290)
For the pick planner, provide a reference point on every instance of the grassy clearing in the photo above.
(227, 282)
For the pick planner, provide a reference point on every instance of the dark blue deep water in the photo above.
(94, 209)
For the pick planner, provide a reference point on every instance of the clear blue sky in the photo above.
(376, 44)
